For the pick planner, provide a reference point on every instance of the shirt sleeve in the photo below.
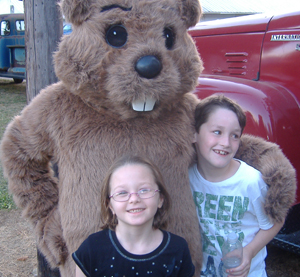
(187, 268)
(258, 204)
(82, 257)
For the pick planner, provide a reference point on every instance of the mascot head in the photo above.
(132, 57)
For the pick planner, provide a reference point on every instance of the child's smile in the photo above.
(221, 152)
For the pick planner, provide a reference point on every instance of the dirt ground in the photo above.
(18, 251)
(17, 246)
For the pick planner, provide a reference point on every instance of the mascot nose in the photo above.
(148, 67)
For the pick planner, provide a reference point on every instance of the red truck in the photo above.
(256, 61)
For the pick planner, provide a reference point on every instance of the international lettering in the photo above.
(294, 37)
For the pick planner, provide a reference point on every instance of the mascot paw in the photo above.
(50, 239)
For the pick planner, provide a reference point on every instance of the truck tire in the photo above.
(18, 81)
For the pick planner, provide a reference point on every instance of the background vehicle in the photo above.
(256, 61)
(12, 47)
(67, 28)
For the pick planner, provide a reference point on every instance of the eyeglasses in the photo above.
(124, 196)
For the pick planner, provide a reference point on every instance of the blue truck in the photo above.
(12, 47)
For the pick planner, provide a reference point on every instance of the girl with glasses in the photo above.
(134, 211)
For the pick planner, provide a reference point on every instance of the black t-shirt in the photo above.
(101, 254)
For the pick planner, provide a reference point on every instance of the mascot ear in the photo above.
(76, 11)
(190, 12)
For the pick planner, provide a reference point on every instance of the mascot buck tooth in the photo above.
(126, 73)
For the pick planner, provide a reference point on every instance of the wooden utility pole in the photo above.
(43, 30)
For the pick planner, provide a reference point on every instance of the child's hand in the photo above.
(249, 251)
(243, 269)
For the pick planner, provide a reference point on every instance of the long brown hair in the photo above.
(109, 220)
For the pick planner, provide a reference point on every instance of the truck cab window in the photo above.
(5, 28)
(20, 25)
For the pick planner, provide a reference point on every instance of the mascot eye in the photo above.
(170, 38)
(116, 36)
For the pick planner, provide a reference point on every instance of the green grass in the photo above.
(12, 101)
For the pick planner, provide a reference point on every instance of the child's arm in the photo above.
(79, 273)
(261, 239)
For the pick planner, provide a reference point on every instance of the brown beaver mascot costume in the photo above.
(125, 75)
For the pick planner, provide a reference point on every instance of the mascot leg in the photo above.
(43, 268)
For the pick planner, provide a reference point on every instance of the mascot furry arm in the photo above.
(126, 73)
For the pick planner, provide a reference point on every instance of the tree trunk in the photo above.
(43, 30)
